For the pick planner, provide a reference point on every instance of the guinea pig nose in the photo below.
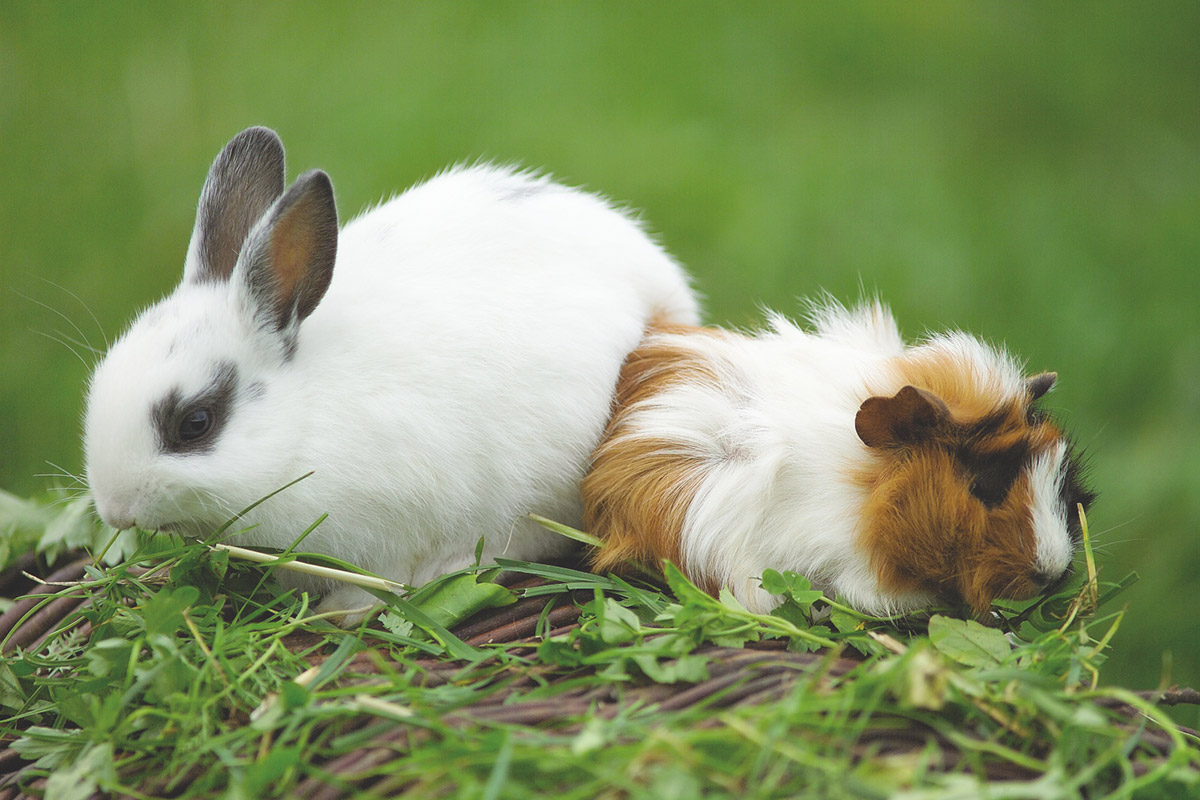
(1042, 579)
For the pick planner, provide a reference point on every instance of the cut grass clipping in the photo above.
(182, 670)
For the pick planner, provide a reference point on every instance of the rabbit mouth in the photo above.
(177, 528)
(182, 528)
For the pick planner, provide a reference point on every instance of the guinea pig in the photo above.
(898, 476)
(443, 366)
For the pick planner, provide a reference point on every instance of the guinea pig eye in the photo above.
(993, 475)
(195, 424)
(989, 491)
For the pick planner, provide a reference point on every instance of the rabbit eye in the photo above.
(192, 424)
(195, 424)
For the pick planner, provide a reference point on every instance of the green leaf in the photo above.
(453, 645)
(796, 587)
(396, 623)
(968, 642)
(687, 669)
(70, 528)
(726, 598)
(293, 695)
(13, 694)
(844, 621)
(925, 680)
(91, 770)
(691, 668)
(108, 656)
(49, 747)
(560, 651)
(591, 738)
(257, 778)
(684, 590)
(50, 529)
(202, 568)
(792, 613)
(163, 613)
(615, 623)
(452, 600)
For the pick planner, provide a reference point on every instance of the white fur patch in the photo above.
(455, 377)
(1051, 537)
(776, 435)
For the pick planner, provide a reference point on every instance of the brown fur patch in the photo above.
(926, 527)
(639, 489)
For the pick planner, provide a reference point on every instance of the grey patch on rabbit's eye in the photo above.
(192, 424)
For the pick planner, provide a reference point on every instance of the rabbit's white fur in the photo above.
(455, 377)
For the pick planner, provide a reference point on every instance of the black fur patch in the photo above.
(169, 414)
(993, 473)
(1075, 493)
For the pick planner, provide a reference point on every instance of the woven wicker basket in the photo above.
(760, 673)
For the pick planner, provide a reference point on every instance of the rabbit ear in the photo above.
(901, 419)
(288, 259)
(243, 182)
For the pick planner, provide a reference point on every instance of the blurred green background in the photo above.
(1029, 172)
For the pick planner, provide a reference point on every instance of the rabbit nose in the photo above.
(114, 517)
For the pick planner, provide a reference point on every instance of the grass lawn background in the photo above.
(1030, 173)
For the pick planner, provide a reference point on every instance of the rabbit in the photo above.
(443, 367)
(898, 476)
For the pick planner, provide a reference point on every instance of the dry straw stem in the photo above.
(341, 575)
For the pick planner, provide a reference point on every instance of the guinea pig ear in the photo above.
(288, 259)
(1038, 385)
(904, 418)
(243, 182)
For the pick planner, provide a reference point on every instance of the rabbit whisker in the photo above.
(65, 344)
(86, 307)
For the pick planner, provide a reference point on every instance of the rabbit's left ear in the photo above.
(243, 182)
(288, 259)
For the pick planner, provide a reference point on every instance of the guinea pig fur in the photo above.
(896, 476)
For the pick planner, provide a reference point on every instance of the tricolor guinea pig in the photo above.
(898, 476)
(443, 366)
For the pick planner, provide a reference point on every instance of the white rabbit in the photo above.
(444, 367)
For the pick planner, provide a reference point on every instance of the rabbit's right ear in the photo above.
(288, 258)
(243, 182)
